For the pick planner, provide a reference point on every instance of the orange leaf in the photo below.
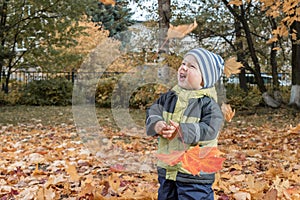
(181, 30)
(172, 158)
(108, 2)
(227, 112)
(236, 2)
(195, 159)
(232, 67)
(210, 163)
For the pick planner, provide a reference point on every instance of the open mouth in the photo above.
(182, 76)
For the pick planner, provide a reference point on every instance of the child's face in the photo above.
(189, 75)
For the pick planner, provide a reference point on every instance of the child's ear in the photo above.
(202, 83)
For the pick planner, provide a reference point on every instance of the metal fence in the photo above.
(24, 77)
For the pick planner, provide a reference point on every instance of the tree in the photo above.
(289, 26)
(115, 18)
(36, 33)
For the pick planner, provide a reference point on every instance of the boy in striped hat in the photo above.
(191, 108)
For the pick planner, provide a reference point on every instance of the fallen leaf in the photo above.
(295, 129)
(71, 170)
(242, 196)
(271, 195)
(232, 67)
(181, 30)
(227, 112)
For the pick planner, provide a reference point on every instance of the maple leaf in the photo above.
(227, 112)
(181, 30)
(232, 67)
(171, 159)
(196, 159)
(108, 2)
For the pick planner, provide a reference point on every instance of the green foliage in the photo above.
(12, 98)
(140, 98)
(146, 95)
(113, 18)
(56, 92)
(237, 98)
(104, 91)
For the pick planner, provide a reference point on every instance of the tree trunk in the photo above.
(164, 12)
(295, 90)
(240, 55)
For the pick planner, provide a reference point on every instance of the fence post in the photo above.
(73, 76)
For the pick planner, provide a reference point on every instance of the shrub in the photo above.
(57, 91)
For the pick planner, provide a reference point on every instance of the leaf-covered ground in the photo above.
(43, 157)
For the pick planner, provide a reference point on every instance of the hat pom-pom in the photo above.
(232, 66)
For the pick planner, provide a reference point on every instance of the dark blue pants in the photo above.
(175, 190)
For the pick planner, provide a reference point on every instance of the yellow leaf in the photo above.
(232, 66)
(273, 39)
(114, 182)
(294, 36)
(276, 49)
(227, 112)
(181, 30)
(108, 2)
(236, 2)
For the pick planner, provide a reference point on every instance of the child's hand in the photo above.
(175, 124)
(165, 130)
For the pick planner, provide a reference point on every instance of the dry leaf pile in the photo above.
(52, 162)
(44, 162)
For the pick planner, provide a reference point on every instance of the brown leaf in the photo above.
(232, 67)
(227, 112)
(181, 30)
(271, 195)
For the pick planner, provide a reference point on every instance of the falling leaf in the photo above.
(196, 159)
(232, 67)
(181, 30)
(171, 159)
(108, 2)
(227, 112)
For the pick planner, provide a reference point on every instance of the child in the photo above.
(186, 116)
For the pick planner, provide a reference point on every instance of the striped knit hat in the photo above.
(211, 65)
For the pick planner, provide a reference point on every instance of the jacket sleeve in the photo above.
(153, 115)
(211, 121)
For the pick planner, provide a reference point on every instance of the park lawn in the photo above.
(43, 156)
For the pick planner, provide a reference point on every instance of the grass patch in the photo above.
(52, 115)
(56, 115)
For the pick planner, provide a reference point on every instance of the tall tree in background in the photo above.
(289, 26)
(36, 33)
(295, 91)
(114, 18)
(164, 14)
